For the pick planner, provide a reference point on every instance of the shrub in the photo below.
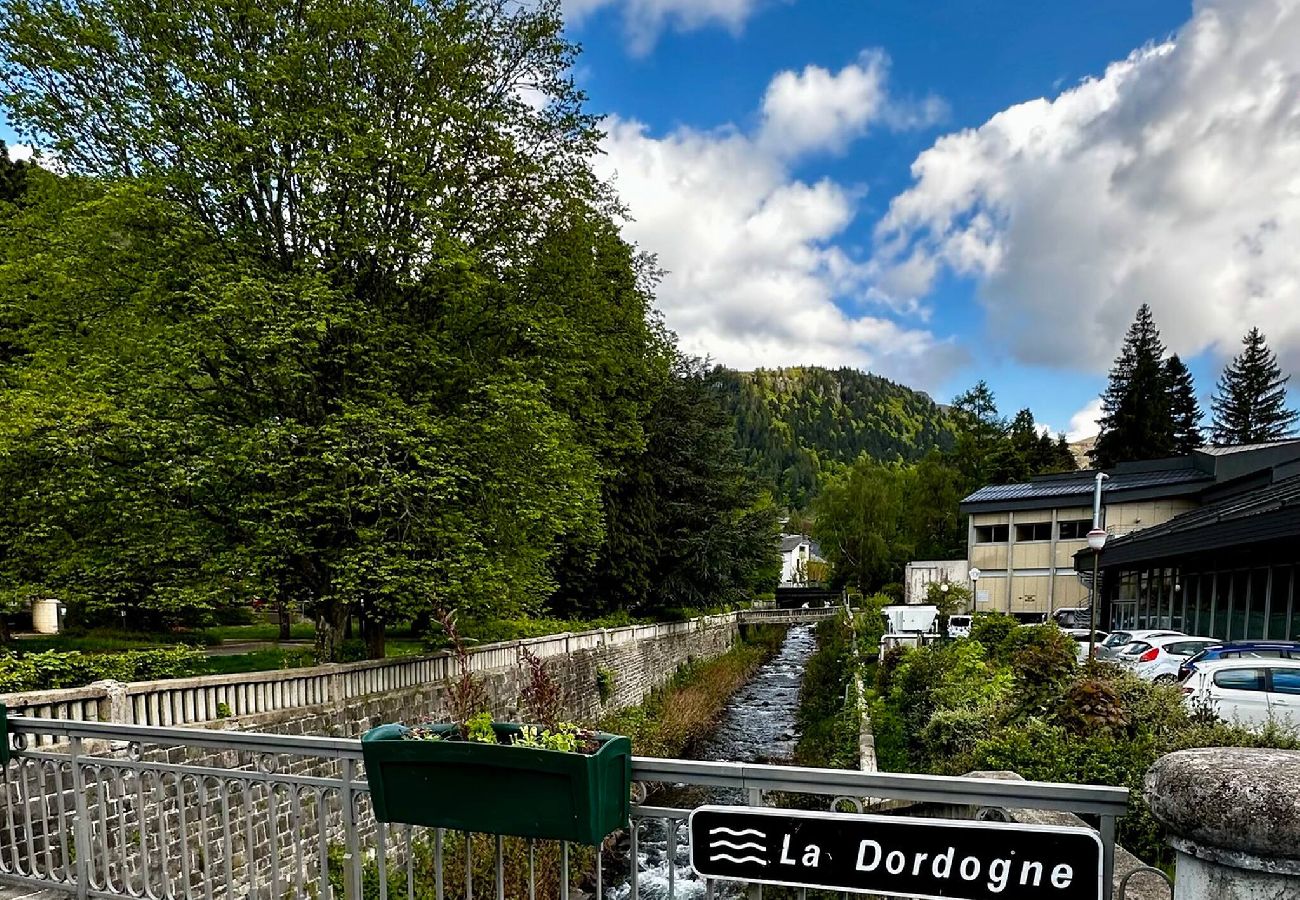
(51, 669)
(994, 631)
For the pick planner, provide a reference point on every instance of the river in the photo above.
(758, 725)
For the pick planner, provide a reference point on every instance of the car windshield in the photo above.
(1117, 638)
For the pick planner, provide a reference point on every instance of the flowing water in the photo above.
(758, 725)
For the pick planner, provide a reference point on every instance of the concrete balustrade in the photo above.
(1233, 816)
(629, 652)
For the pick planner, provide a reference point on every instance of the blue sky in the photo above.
(1020, 254)
(947, 191)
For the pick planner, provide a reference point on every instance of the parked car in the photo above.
(1120, 639)
(959, 626)
(1157, 658)
(1080, 636)
(1248, 692)
(1241, 650)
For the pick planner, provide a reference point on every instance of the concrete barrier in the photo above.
(1233, 816)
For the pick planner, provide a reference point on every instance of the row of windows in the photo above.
(1245, 604)
(1070, 530)
(1278, 681)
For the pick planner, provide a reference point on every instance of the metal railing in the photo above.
(788, 616)
(110, 810)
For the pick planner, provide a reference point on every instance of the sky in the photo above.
(954, 190)
(941, 192)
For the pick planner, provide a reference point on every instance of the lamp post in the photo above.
(1096, 540)
(974, 589)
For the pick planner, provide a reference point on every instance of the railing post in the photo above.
(352, 859)
(1107, 830)
(81, 828)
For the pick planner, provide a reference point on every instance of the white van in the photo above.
(959, 626)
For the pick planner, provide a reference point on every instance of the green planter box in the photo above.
(499, 789)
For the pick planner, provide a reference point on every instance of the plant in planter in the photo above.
(545, 779)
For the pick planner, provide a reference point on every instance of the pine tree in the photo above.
(1183, 407)
(1136, 422)
(1250, 405)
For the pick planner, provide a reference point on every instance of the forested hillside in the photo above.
(793, 423)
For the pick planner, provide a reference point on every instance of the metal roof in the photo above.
(1264, 514)
(1242, 448)
(1083, 486)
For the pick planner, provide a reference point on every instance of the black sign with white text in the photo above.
(896, 855)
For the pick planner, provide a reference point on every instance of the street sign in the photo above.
(897, 856)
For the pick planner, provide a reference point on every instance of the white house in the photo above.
(797, 550)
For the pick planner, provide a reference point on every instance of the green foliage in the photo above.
(993, 631)
(1019, 703)
(604, 683)
(564, 737)
(796, 424)
(1250, 401)
(224, 711)
(355, 334)
(1149, 408)
(478, 729)
(828, 705)
(52, 669)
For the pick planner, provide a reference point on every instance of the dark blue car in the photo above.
(1242, 650)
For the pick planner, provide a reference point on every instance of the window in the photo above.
(1263, 654)
(1186, 648)
(1286, 681)
(1075, 529)
(1034, 531)
(992, 534)
(1240, 679)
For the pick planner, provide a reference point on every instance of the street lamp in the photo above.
(1096, 540)
(974, 588)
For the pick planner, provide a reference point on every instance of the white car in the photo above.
(1248, 692)
(1120, 639)
(1080, 636)
(959, 626)
(1158, 657)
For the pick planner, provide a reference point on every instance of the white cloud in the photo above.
(645, 20)
(817, 109)
(20, 152)
(1172, 179)
(1083, 424)
(754, 274)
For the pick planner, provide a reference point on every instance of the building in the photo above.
(919, 575)
(1227, 569)
(1024, 538)
(797, 551)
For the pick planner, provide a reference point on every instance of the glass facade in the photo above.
(1237, 603)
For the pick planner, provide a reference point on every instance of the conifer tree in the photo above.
(1184, 408)
(1250, 405)
(1136, 420)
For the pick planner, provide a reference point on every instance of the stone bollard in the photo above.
(1233, 816)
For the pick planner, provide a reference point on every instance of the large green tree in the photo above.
(328, 313)
(1136, 421)
(1183, 406)
(1250, 404)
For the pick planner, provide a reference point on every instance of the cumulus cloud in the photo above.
(20, 152)
(754, 277)
(645, 20)
(1171, 179)
(1083, 424)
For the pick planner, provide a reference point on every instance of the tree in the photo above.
(687, 523)
(1250, 404)
(13, 176)
(1136, 421)
(1183, 407)
(860, 524)
(980, 431)
(352, 331)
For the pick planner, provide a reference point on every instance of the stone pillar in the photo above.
(1233, 816)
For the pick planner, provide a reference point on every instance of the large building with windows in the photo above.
(1026, 539)
(1228, 569)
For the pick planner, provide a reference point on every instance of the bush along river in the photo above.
(757, 725)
